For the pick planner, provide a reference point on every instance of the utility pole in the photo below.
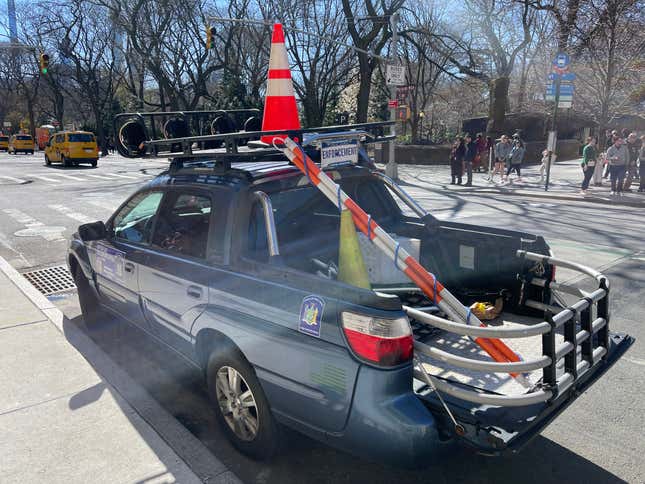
(391, 169)
(554, 130)
(13, 28)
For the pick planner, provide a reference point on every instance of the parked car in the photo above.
(236, 268)
(21, 142)
(72, 148)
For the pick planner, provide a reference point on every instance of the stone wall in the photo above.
(567, 149)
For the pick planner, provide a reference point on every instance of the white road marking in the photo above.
(102, 177)
(71, 177)
(124, 176)
(34, 227)
(84, 219)
(112, 206)
(17, 180)
(45, 178)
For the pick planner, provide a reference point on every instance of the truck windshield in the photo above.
(81, 138)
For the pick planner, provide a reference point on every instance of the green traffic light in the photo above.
(44, 70)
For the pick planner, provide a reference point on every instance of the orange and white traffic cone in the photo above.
(280, 110)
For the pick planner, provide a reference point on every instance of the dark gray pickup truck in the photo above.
(234, 265)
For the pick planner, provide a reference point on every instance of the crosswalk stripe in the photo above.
(120, 175)
(44, 178)
(13, 178)
(71, 177)
(102, 177)
(22, 217)
(105, 204)
(71, 214)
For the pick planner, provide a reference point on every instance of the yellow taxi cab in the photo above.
(71, 148)
(4, 142)
(21, 142)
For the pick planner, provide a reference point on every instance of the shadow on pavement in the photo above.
(178, 387)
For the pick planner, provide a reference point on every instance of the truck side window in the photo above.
(134, 222)
(183, 224)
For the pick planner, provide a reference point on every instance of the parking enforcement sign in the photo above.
(395, 75)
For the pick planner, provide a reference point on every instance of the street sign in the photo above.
(392, 103)
(567, 76)
(395, 75)
(561, 61)
(565, 104)
(7, 124)
(552, 140)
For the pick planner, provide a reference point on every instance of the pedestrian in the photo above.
(608, 144)
(502, 150)
(633, 145)
(618, 158)
(457, 160)
(641, 165)
(515, 158)
(469, 159)
(589, 159)
(480, 157)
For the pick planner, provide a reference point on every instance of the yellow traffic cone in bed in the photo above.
(351, 266)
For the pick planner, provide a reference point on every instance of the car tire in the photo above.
(243, 411)
(47, 160)
(93, 313)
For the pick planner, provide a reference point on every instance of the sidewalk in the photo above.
(565, 180)
(63, 409)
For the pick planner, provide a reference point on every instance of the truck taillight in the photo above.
(385, 342)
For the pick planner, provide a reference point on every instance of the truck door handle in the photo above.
(129, 267)
(194, 291)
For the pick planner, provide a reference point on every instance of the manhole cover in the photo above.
(51, 280)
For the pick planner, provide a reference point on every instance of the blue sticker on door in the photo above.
(311, 312)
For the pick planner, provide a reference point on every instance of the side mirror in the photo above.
(92, 231)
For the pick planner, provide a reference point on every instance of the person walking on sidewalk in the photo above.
(515, 159)
(457, 160)
(589, 160)
(469, 159)
(502, 151)
(641, 165)
(618, 158)
(633, 145)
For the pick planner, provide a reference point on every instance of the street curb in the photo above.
(529, 194)
(184, 444)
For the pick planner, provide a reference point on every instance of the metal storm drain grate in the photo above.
(51, 280)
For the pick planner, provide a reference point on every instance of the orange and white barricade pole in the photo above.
(426, 281)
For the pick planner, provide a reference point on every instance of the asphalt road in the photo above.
(600, 438)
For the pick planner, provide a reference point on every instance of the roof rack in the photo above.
(233, 146)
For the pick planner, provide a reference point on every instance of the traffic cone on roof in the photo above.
(280, 110)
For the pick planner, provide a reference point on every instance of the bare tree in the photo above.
(370, 34)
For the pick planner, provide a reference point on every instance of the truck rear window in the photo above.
(81, 138)
(4, 138)
(24, 137)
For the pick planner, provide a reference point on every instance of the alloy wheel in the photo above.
(237, 403)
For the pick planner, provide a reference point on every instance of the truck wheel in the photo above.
(240, 405)
(65, 162)
(47, 160)
(91, 309)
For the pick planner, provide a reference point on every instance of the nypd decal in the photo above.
(311, 312)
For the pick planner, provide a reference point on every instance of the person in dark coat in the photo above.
(456, 160)
(469, 158)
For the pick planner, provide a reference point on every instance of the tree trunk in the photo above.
(497, 106)
(365, 86)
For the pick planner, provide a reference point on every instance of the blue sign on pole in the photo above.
(561, 60)
(567, 76)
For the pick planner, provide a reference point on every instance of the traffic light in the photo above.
(210, 34)
(44, 63)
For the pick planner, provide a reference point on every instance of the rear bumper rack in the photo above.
(591, 311)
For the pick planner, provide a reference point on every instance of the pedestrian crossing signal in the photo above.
(44, 63)
(210, 34)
